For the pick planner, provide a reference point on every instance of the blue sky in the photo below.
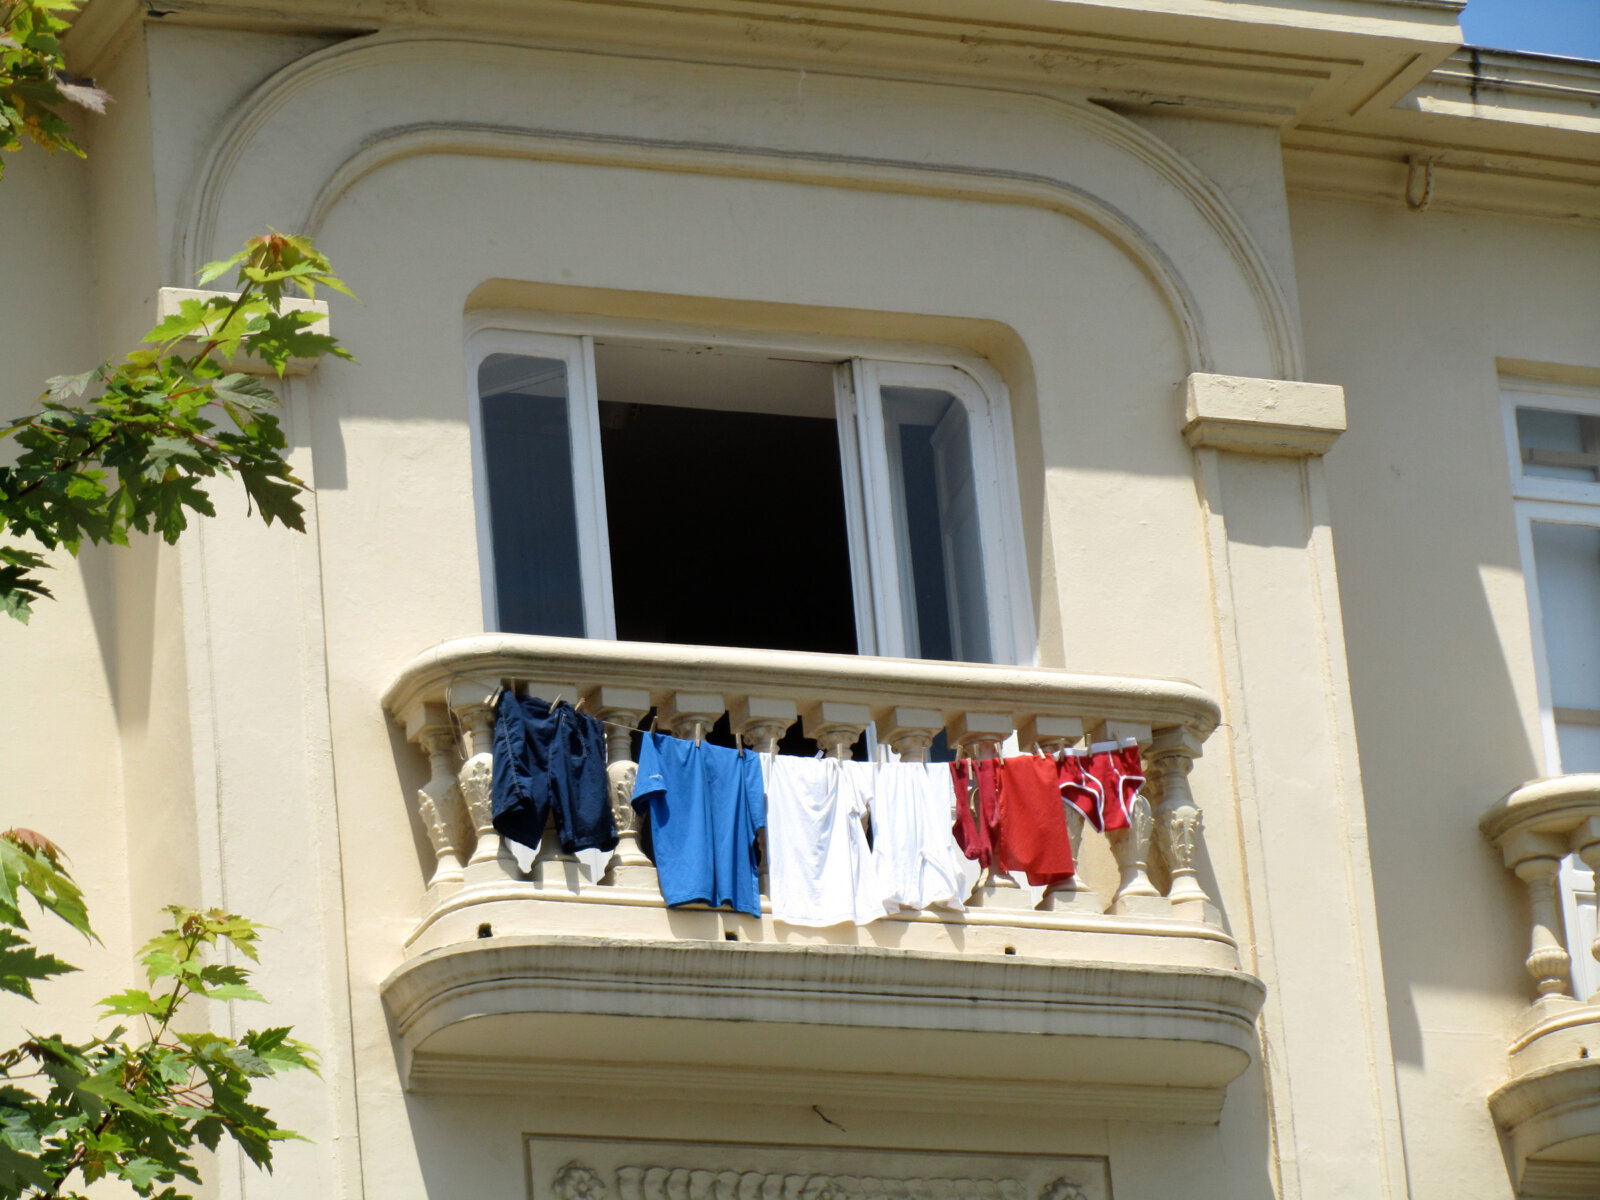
(1570, 27)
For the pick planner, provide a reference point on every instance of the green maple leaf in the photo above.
(21, 964)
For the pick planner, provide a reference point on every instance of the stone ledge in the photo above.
(1262, 416)
(1162, 1042)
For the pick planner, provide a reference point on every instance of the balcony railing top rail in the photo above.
(843, 678)
(1557, 804)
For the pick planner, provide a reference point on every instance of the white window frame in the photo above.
(1561, 398)
(588, 476)
(1554, 501)
(863, 367)
(1557, 502)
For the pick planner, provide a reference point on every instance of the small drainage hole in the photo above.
(1011, 949)
(730, 937)
(485, 931)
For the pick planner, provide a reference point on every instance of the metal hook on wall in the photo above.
(1419, 164)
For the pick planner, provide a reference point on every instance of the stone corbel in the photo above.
(1262, 416)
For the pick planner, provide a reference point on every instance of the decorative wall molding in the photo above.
(1199, 252)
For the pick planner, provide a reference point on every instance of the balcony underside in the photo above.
(1552, 1115)
(776, 1024)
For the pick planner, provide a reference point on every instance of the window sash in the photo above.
(588, 477)
(874, 556)
(1560, 399)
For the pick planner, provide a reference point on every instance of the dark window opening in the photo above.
(727, 528)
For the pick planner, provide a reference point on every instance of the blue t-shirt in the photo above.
(705, 805)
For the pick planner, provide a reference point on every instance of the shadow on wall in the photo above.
(121, 585)
(1427, 780)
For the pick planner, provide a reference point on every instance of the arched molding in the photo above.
(450, 98)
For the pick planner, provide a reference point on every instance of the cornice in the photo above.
(1486, 131)
(1360, 88)
(1230, 58)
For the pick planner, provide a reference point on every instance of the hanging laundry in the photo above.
(1118, 774)
(1032, 825)
(1080, 788)
(704, 807)
(820, 868)
(977, 785)
(550, 761)
(917, 859)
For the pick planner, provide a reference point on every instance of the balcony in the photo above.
(1550, 1108)
(1123, 982)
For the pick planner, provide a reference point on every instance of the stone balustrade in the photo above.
(1550, 1107)
(445, 698)
(1118, 995)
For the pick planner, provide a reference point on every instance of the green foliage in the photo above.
(34, 81)
(124, 1106)
(126, 447)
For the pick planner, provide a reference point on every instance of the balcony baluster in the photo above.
(1179, 822)
(622, 709)
(439, 800)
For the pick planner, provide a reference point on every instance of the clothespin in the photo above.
(652, 722)
(699, 732)
(578, 707)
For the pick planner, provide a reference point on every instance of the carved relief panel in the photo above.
(596, 1169)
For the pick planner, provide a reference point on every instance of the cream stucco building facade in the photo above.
(1257, 328)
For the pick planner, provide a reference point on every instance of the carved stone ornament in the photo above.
(578, 1181)
(621, 776)
(680, 1183)
(1180, 836)
(477, 781)
(1062, 1189)
(441, 830)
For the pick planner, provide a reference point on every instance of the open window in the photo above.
(675, 491)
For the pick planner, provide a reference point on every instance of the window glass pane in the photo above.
(527, 453)
(1559, 445)
(936, 523)
(1567, 563)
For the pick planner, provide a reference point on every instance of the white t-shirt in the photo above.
(912, 842)
(820, 868)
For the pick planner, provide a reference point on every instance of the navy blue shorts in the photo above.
(551, 761)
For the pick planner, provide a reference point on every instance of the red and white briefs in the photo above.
(1102, 781)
